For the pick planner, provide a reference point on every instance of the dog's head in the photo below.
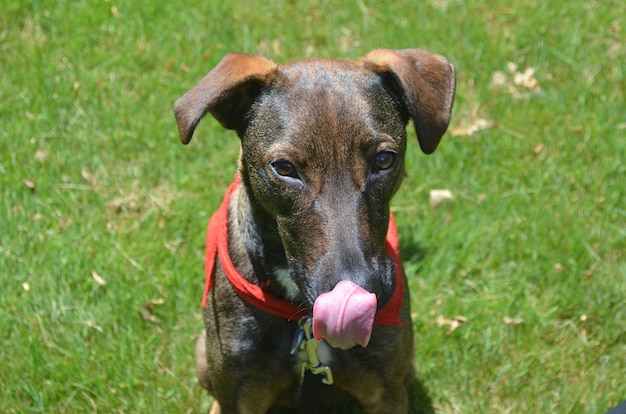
(323, 147)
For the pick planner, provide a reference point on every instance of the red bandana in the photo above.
(255, 295)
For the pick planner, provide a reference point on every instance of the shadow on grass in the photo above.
(419, 400)
(413, 251)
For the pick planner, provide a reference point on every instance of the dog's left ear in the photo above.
(227, 92)
(427, 82)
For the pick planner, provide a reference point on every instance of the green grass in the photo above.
(93, 179)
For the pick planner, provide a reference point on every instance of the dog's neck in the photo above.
(258, 252)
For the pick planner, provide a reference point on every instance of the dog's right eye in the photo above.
(284, 168)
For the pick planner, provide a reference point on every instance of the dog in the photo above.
(306, 229)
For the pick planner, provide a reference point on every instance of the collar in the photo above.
(255, 295)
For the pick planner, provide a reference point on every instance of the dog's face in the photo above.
(323, 151)
(323, 146)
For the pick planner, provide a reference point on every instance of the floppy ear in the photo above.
(227, 92)
(427, 84)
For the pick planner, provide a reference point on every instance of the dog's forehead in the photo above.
(333, 97)
(328, 78)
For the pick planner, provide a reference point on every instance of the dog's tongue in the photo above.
(344, 316)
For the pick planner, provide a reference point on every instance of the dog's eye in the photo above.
(284, 168)
(385, 160)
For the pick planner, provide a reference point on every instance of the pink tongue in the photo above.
(344, 316)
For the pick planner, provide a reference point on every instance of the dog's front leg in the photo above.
(255, 405)
(392, 399)
(247, 399)
(393, 403)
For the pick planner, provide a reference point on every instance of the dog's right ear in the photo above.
(227, 92)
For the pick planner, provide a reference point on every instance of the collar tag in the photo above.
(304, 341)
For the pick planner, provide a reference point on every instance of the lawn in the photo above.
(518, 283)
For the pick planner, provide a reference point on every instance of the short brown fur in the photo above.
(324, 222)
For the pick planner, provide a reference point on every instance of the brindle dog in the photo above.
(323, 144)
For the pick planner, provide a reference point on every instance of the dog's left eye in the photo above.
(385, 160)
(284, 168)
